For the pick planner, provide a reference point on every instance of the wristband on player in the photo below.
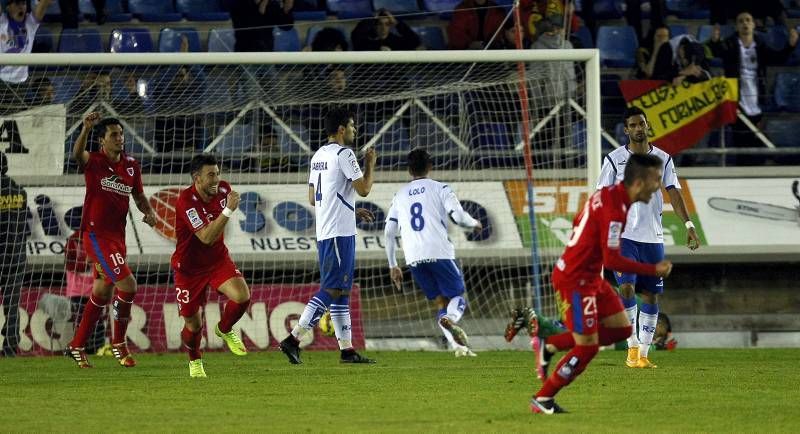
(689, 224)
(227, 212)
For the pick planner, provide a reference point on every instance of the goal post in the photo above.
(262, 115)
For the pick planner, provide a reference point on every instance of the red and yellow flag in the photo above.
(680, 116)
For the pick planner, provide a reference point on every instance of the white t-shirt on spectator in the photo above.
(748, 79)
(19, 41)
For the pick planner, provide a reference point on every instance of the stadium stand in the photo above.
(617, 46)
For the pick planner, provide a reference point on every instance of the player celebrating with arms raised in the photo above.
(590, 308)
(643, 239)
(334, 179)
(111, 177)
(420, 209)
(202, 260)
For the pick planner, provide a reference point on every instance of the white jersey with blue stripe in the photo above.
(333, 170)
(644, 219)
(422, 210)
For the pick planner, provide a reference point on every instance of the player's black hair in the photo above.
(337, 117)
(100, 128)
(419, 160)
(638, 165)
(631, 112)
(200, 160)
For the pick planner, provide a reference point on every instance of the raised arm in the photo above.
(79, 153)
(211, 233)
(363, 185)
(41, 8)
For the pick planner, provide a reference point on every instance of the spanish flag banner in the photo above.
(679, 116)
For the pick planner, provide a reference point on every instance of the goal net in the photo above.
(262, 115)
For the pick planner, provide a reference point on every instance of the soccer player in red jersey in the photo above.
(590, 308)
(201, 259)
(111, 177)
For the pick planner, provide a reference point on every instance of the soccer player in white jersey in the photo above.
(420, 210)
(643, 238)
(334, 179)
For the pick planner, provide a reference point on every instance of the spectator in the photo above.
(17, 32)
(95, 87)
(375, 34)
(79, 287)
(633, 15)
(745, 56)
(253, 21)
(329, 39)
(13, 221)
(683, 58)
(648, 50)
(42, 92)
(70, 12)
(475, 24)
(534, 11)
(722, 10)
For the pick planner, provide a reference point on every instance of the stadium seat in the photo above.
(428, 135)
(783, 132)
(221, 41)
(491, 136)
(285, 40)
(52, 14)
(287, 143)
(394, 140)
(310, 15)
(130, 40)
(441, 6)
(608, 9)
(169, 40)
(85, 40)
(238, 140)
(396, 6)
(617, 46)
(202, 10)
(787, 91)
(116, 14)
(153, 11)
(776, 37)
(678, 29)
(346, 9)
(704, 32)
(65, 88)
(432, 37)
(584, 36)
(43, 42)
(313, 30)
(687, 9)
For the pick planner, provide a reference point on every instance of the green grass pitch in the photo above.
(691, 391)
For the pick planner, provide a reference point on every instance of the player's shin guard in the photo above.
(93, 310)
(568, 368)
(191, 341)
(611, 335)
(631, 311)
(456, 308)
(648, 318)
(342, 324)
(122, 314)
(232, 313)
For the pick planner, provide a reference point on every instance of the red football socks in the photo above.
(191, 341)
(122, 314)
(94, 308)
(568, 368)
(232, 313)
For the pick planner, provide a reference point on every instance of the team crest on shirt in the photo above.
(194, 217)
(130, 171)
(223, 202)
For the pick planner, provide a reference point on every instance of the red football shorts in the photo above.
(583, 303)
(191, 288)
(108, 257)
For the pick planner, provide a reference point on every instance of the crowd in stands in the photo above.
(735, 38)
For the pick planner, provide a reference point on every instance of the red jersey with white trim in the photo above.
(108, 189)
(192, 215)
(595, 239)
